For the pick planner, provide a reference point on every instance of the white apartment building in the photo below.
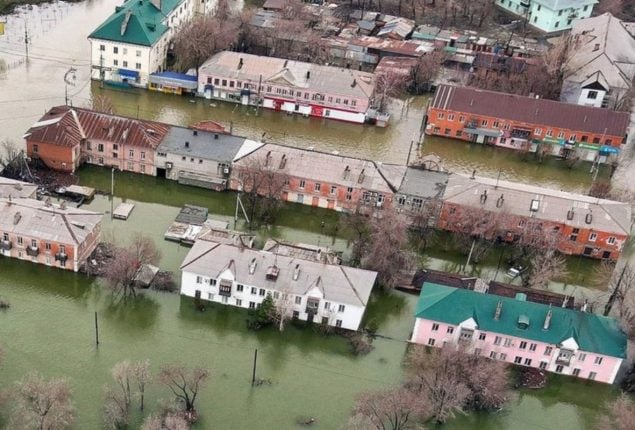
(316, 292)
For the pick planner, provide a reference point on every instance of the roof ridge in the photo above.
(353, 286)
(70, 230)
(217, 244)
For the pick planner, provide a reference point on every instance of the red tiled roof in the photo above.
(531, 110)
(209, 125)
(66, 126)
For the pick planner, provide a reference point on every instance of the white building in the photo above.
(322, 293)
(601, 66)
(133, 42)
(549, 15)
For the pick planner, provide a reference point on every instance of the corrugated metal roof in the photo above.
(538, 112)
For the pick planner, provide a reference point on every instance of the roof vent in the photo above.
(547, 322)
(570, 214)
(499, 310)
(63, 204)
(240, 63)
(535, 205)
(354, 83)
(272, 273)
(252, 266)
(500, 201)
(268, 158)
(588, 218)
(216, 136)
(361, 177)
(79, 224)
(17, 217)
(308, 74)
(285, 63)
(483, 197)
(187, 144)
(523, 322)
(296, 272)
(283, 161)
(596, 47)
(195, 132)
(347, 172)
(150, 131)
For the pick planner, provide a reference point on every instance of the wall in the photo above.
(140, 161)
(46, 257)
(605, 372)
(199, 166)
(134, 54)
(585, 100)
(351, 317)
(546, 19)
(55, 156)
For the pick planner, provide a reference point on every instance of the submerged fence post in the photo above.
(253, 374)
(96, 330)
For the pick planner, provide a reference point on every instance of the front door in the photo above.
(588, 251)
(197, 294)
(315, 201)
(309, 317)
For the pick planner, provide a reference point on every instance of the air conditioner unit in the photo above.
(168, 165)
(226, 170)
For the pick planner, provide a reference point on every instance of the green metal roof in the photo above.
(145, 25)
(593, 333)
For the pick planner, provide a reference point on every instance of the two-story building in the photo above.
(201, 158)
(327, 294)
(321, 179)
(133, 42)
(600, 67)
(526, 123)
(17, 189)
(549, 15)
(579, 224)
(47, 233)
(514, 330)
(65, 137)
(288, 86)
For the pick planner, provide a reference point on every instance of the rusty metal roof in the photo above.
(67, 126)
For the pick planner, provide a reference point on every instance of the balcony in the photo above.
(32, 251)
(61, 256)
(312, 306)
(225, 290)
(6, 245)
(525, 3)
(564, 357)
(520, 133)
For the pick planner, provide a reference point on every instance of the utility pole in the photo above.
(96, 330)
(26, 41)
(112, 192)
(616, 290)
(253, 373)
(69, 79)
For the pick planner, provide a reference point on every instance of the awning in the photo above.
(172, 79)
(128, 73)
(606, 149)
(483, 132)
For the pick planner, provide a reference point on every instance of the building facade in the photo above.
(549, 15)
(317, 179)
(513, 330)
(574, 224)
(307, 290)
(133, 42)
(288, 86)
(600, 68)
(46, 233)
(65, 137)
(526, 123)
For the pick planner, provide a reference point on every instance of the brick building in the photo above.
(65, 137)
(525, 123)
(321, 179)
(46, 233)
(581, 225)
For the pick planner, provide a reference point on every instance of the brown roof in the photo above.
(531, 110)
(209, 125)
(67, 126)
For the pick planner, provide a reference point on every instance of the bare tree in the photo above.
(358, 227)
(183, 382)
(427, 69)
(394, 409)
(122, 373)
(141, 375)
(9, 156)
(546, 265)
(620, 415)
(42, 404)
(116, 409)
(102, 103)
(167, 422)
(121, 271)
(282, 308)
(388, 252)
(389, 85)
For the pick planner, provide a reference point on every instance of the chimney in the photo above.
(596, 47)
(361, 177)
(584, 306)
(499, 309)
(17, 217)
(296, 272)
(347, 172)
(252, 266)
(240, 63)
(268, 158)
(216, 136)
(308, 75)
(283, 161)
(195, 132)
(547, 323)
(187, 144)
(354, 83)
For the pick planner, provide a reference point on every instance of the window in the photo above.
(298, 300)
(440, 115)
(19, 240)
(338, 323)
(593, 236)
(560, 13)
(535, 19)
(447, 131)
(538, 131)
(450, 330)
(138, 53)
(503, 356)
(586, 7)
(435, 327)
(532, 347)
(538, 8)
(481, 336)
(199, 279)
(497, 340)
(262, 292)
(592, 95)
(47, 246)
(523, 345)
(239, 288)
(527, 361)
(138, 66)
(142, 169)
(431, 342)
(131, 153)
(102, 47)
(333, 189)
(478, 351)
(459, 133)
(576, 372)
(276, 295)
(495, 124)
(543, 365)
(521, 223)
(125, 51)
(492, 355)
(115, 50)
(143, 155)
(125, 63)
(508, 342)
(341, 308)
(115, 62)
(518, 359)
(611, 240)
(592, 375)
(252, 305)
(254, 291)
(561, 135)
(484, 123)
(556, 24)
(302, 184)
(100, 147)
(581, 356)
(231, 84)
(212, 282)
(549, 132)
(598, 360)
(327, 306)
(559, 368)
(239, 302)
(317, 187)
(451, 117)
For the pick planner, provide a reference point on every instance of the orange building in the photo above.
(525, 123)
(511, 211)
(65, 137)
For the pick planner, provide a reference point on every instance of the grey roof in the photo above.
(605, 49)
(330, 168)
(203, 144)
(607, 215)
(30, 217)
(423, 183)
(339, 284)
(304, 251)
(322, 79)
(191, 214)
(16, 189)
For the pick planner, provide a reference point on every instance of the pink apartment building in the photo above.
(520, 332)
